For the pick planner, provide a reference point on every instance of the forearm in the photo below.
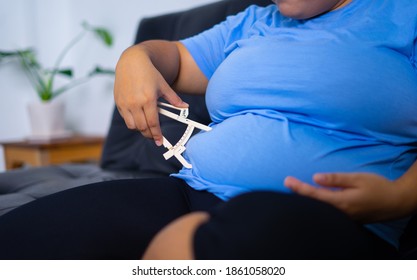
(407, 184)
(173, 61)
(162, 55)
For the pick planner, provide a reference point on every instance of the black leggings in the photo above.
(117, 220)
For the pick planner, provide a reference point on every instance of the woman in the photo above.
(295, 88)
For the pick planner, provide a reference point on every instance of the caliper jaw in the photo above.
(177, 149)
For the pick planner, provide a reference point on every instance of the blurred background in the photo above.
(48, 26)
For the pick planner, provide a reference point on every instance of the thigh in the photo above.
(267, 225)
(107, 220)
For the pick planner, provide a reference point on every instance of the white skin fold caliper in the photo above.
(177, 149)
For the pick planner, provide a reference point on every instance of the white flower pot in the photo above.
(47, 120)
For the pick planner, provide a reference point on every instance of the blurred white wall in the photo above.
(48, 26)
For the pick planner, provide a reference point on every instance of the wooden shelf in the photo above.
(47, 152)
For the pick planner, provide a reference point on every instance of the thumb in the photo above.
(344, 180)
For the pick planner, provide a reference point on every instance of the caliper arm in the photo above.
(177, 149)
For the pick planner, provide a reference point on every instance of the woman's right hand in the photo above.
(365, 197)
(138, 85)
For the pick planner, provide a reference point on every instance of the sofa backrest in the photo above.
(127, 150)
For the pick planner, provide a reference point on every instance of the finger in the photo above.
(341, 180)
(133, 116)
(128, 118)
(299, 186)
(129, 121)
(153, 126)
(172, 97)
(308, 190)
(140, 122)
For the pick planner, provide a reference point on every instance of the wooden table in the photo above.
(57, 151)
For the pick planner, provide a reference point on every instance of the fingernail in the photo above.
(158, 143)
(288, 182)
(320, 178)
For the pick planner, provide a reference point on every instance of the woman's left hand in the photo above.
(365, 197)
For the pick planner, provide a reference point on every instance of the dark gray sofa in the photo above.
(126, 153)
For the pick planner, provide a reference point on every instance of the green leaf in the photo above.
(66, 72)
(18, 53)
(98, 70)
(34, 70)
(105, 35)
(101, 32)
(7, 54)
(29, 57)
(4, 54)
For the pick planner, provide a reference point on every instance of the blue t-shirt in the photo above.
(336, 93)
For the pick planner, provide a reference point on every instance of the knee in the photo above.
(175, 241)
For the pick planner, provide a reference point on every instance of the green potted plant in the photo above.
(44, 122)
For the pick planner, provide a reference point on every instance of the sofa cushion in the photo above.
(21, 186)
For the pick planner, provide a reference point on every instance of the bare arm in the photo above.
(151, 70)
(366, 197)
(408, 183)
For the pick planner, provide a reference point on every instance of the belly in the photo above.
(256, 152)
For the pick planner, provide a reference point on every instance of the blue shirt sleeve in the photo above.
(211, 47)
